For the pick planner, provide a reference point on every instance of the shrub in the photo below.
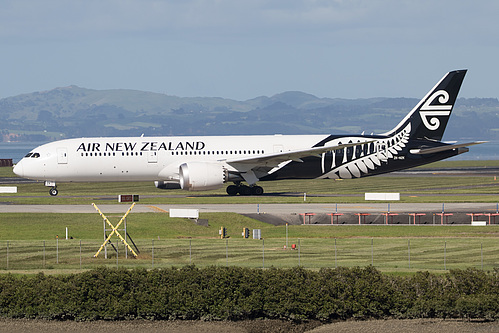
(234, 293)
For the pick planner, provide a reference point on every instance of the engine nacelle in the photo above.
(198, 176)
(163, 185)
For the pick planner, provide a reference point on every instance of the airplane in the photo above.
(199, 163)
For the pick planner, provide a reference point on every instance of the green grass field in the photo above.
(164, 241)
(386, 254)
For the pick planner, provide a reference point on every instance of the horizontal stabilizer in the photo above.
(443, 148)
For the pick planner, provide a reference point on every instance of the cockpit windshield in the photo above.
(32, 155)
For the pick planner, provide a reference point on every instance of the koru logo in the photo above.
(433, 111)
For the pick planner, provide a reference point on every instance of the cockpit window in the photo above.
(28, 155)
(35, 155)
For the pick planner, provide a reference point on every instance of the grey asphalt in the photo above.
(323, 208)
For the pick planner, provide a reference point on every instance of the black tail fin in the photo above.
(429, 117)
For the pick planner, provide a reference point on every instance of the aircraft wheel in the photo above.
(53, 191)
(244, 190)
(232, 190)
(257, 190)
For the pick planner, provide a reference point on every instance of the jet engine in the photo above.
(163, 185)
(198, 176)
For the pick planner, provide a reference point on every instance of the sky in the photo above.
(244, 49)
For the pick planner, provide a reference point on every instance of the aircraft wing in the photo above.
(433, 150)
(275, 159)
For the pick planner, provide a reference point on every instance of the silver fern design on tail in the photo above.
(371, 157)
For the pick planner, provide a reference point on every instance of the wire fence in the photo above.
(386, 254)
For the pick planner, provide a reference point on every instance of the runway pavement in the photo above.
(262, 208)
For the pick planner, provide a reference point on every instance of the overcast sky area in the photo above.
(244, 49)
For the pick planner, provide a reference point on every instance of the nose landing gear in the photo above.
(53, 188)
(53, 191)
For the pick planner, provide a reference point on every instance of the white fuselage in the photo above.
(146, 158)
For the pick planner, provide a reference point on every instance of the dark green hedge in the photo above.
(235, 293)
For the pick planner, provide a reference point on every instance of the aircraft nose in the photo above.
(18, 169)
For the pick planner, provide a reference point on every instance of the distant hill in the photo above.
(74, 111)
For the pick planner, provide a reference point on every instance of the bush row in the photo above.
(234, 293)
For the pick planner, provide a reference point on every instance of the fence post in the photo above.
(372, 252)
(409, 251)
(190, 251)
(445, 254)
(299, 250)
(57, 250)
(44, 259)
(7, 255)
(117, 250)
(263, 253)
(227, 252)
(152, 253)
(80, 253)
(335, 262)
(287, 236)
(481, 253)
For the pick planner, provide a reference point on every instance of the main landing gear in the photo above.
(244, 190)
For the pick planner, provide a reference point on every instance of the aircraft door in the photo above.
(152, 157)
(62, 156)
